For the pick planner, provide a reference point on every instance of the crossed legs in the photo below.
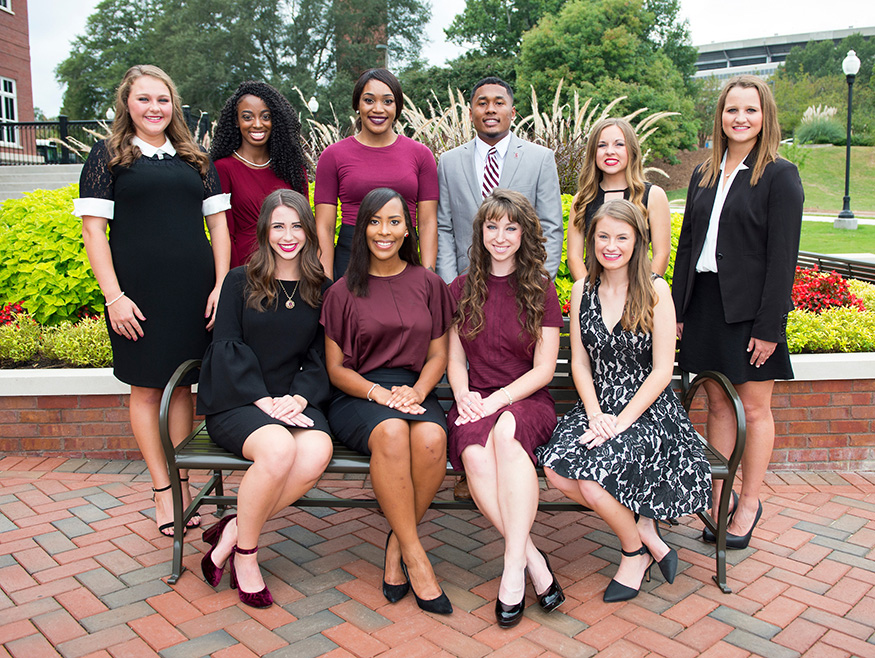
(504, 484)
(287, 463)
(408, 465)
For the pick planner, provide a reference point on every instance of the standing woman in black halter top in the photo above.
(612, 169)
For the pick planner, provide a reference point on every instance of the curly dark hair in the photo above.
(530, 276)
(284, 143)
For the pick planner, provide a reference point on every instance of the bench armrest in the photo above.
(164, 409)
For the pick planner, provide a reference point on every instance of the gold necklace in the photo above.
(289, 303)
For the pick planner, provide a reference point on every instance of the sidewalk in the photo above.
(81, 568)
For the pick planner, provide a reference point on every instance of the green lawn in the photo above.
(822, 238)
(823, 178)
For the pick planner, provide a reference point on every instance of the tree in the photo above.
(496, 27)
(422, 83)
(605, 49)
(209, 46)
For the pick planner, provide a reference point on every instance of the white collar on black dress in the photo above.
(150, 151)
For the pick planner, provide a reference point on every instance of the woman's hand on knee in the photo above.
(406, 399)
(470, 407)
(601, 428)
(288, 405)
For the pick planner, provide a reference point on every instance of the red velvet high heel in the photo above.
(261, 599)
(212, 535)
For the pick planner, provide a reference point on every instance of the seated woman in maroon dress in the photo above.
(256, 149)
(386, 325)
(263, 384)
(503, 347)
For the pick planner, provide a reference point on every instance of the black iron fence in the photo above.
(46, 142)
(58, 142)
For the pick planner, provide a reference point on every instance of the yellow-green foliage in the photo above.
(863, 291)
(44, 261)
(838, 329)
(20, 340)
(84, 344)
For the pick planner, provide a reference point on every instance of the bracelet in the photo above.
(108, 304)
(504, 390)
(371, 390)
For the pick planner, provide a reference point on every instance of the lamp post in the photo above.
(851, 66)
(385, 48)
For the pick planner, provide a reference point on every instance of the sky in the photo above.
(55, 23)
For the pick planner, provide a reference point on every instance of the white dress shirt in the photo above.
(481, 150)
(708, 258)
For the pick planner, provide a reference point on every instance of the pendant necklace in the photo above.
(252, 164)
(289, 303)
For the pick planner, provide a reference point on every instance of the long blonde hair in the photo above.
(123, 152)
(641, 295)
(591, 175)
(766, 146)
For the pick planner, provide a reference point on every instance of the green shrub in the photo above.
(820, 131)
(20, 339)
(44, 262)
(838, 329)
(863, 291)
(84, 344)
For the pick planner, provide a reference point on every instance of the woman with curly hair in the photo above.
(263, 385)
(613, 169)
(503, 347)
(376, 156)
(257, 149)
(152, 186)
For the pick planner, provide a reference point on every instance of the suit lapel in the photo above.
(511, 161)
(469, 171)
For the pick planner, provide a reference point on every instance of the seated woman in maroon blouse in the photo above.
(503, 348)
(263, 384)
(386, 325)
(256, 149)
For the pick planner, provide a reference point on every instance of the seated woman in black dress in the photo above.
(263, 382)
(627, 449)
(503, 349)
(386, 325)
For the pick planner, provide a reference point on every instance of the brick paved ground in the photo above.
(81, 568)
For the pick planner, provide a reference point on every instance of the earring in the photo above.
(406, 234)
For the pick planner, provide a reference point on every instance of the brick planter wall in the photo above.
(821, 424)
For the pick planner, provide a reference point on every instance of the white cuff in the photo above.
(93, 206)
(216, 203)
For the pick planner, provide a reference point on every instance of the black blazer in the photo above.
(757, 246)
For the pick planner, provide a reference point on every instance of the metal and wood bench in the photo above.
(197, 451)
(847, 267)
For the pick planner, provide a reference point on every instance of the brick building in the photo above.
(16, 91)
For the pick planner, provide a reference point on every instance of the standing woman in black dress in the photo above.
(386, 340)
(733, 275)
(160, 276)
(263, 383)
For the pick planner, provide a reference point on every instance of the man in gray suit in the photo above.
(467, 173)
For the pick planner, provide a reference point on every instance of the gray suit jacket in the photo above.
(528, 168)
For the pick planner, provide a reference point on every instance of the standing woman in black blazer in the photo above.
(733, 274)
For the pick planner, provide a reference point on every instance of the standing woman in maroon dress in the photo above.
(161, 277)
(386, 325)
(257, 149)
(503, 348)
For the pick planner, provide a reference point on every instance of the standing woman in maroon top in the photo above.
(376, 156)
(503, 349)
(386, 336)
(256, 149)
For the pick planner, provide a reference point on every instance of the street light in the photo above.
(383, 46)
(851, 66)
(313, 105)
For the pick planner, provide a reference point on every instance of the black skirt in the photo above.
(343, 250)
(711, 343)
(353, 419)
(230, 429)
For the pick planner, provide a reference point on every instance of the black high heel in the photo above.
(553, 597)
(618, 591)
(509, 616)
(741, 541)
(393, 593)
(668, 565)
(165, 526)
(439, 605)
(707, 535)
